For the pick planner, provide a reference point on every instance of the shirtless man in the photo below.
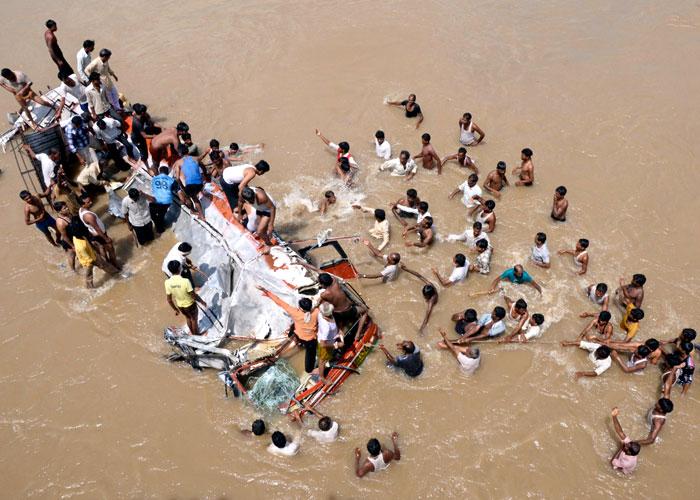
(559, 205)
(632, 293)
(580, 255)
(429, 155)
(467, 129)
(430, 295)
(411, 201)
(411, 106)
(63, 220)
(35, 214)
(496, 180)
(166, 142)
(54, 50)
(424, 230)
(526, 170)
(327, 201)
(379, 458)
(599, 329)
(345, 312)
(462, 159)
(656, 354)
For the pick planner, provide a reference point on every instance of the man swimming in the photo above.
(559, 204)
(381, 229)
(496, 180)
(599, 355)
(430, 157)
(327, 202)
(526, 170)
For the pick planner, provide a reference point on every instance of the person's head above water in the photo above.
(407, 346)
(411, 97)
(601, 289)
(526, 154)
(325, 279)
(325, 424)
(540, 238)
(520, 305)
(498, 313)
(134, 194)
(184, 248)
(538, 319)
(639, 279)
(470, 315)
(688, 335)
(258, 427)
(174, 267)
(482, 245)
(379, 214)
(472, 180)
(652, 344)
(425, 138)
(423, 207)
(427, 222)
(181, 128)
(248, 194)
(373, 447)
(404, 156)
(582, 243)
(279, 439)
(25, 195)
(560, 191)
(344, 147)
(411, 194)
(518, 270)
(490, 205)
(393, 258)
(379, 134)
(428, 292)
(604, 316)
(501, 167)
(664, 405)
(603, 352)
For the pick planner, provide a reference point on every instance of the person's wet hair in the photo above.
(405, 154)
(262, 166)
(215, 156)
(83, 198)
(94, 76)
(408, 347)
(501, 165)
(428, 291)
(425, 137)
(186, 136)
(527, 152)
(428, 220)
(58, 205)
(468, 116)
(344, 164)
(643, 351)
(423, 205)
(490, 204)
(24, 194)
(394, 257)
(499, 312)
(183, 150)
(688, 334)
(462, 150)
(583, 242)
(184, 247)
(482, 244)
(50, 24)
(7, 73)
(474, 178)
(460, 260)
(539, 318)
(89, 44)
(636, 315)
(182, 127)
(602, 352)
(633, 448)
(138, 108)
(105, 53)
(279, 439)
(601, 287)
(687, 347)
(258, 427)
(470, 315)
(325, 423)
(373, 447)
(379, 214)
(477, 225)
(412, 193)
(329, 194)
(652, 344)
(666, 405)
(325, 279)
(561, 190)
(379, 134)
(639, 279)
(344, 146)
(164, 169)
(541, 237)
(234, 147)
(174, 267)
(673, 359)
(134, 194)
(520, 304)
(248, 194)
(214, 144)
(77, 121)
(604, 316)
(305, 304)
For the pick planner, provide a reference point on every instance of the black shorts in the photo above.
(346, 317)
(262, 213)
(193, 190)
(563, 219)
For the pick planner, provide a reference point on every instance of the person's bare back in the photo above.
(336, 296)
(428, 154)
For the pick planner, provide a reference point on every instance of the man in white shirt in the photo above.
(138, 216)
(47, 161)
(381, 227)
(469, 359)
(71, 85)
(381, 146)
(281, 447)
(345, 166)
(490, 326)
(84, 59)
(391, 264)
(599, 356)
(469, 188)
(328, 431)
(180, 252)
(540, 252)
(421, 212)
(471, 236)
(530, 330)
(459, 272)
(403, 166)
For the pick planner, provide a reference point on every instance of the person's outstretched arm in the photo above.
(616, 424)
(416, 274)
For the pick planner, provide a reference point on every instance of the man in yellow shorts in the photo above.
(182, 297)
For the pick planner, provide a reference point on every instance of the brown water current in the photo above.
(604, 92)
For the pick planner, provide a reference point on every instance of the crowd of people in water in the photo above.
(107, 136)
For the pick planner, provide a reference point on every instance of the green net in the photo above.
(274, 387)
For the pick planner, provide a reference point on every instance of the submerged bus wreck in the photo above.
(231, 265)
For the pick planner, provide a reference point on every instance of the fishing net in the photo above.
(274, 387)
